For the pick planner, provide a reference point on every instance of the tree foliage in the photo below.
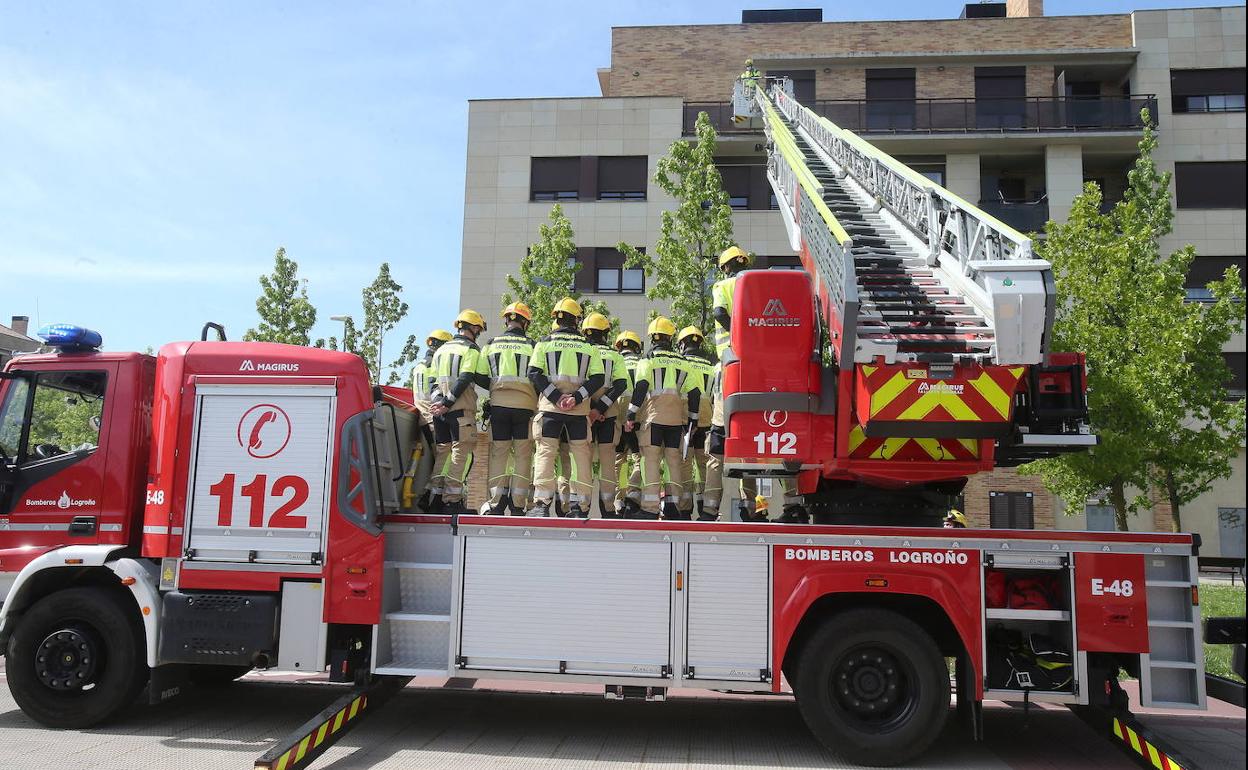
(548, 274)
(383, 308)
(682, 266)
(1156, 377)
(286, 314)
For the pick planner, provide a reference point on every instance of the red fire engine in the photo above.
(228, 506)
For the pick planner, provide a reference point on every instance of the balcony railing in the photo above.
(959, 116)
(1026, 217)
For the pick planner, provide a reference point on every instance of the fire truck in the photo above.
(222, 506)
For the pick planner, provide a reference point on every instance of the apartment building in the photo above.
(1001, 104)
(15, 339)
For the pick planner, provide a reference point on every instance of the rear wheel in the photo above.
(872, 686)
(76, 657)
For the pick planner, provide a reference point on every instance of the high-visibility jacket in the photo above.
(613, 370)
(565, 362)
(630, 360)
(751, 76)
(701, 372)
(422, 378)
(668, 385)
(721, 297)
(507, 357)
(717, 396)
(450, 364)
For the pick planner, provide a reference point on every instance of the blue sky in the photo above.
(153, 155)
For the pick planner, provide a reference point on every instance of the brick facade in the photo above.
(700, 62)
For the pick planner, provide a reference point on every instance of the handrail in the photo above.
(826, 241)
(943, 220)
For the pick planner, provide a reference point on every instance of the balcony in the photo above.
(1032, 114)
(1029, 217)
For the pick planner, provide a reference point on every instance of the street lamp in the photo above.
(345, 319)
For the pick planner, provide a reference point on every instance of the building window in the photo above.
(1100, 518)
(803, 84)
(890, 99)
(622, 178)
(612, 277)
(744, 178)
(1000, 97)
(736, 181)
(1206, 270)
(555, 179)
(930, 166)
(1207, 90)
(1011, 510)
(1236, 385)
(1209, 185)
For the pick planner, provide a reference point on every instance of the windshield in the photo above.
(12, 414)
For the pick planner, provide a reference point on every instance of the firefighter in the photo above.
(459, 369)
(627, 452)
(693, 470)
(713, 488)
(605, 429)
(955, 519)
(731, 262)
(422, 383)
(510, 410)
(565, 370)
(665, 394)
(750, 77)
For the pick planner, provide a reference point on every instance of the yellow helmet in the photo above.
(569, 306)
(734, 252)
(690, 331)
(596, 322)
(627, 336)
(437, 335)
(469, 318)
(661, 325)
(749, 62)
(956, 518)
(518, 308)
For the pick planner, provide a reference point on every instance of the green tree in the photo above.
(692, 236)
(1156, 378)
(383, 308)
(350, 341)
(548, 274)
(407, 356)
(285, 313)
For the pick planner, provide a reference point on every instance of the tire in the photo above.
(872, 687)
(214, 675)
(98, 635)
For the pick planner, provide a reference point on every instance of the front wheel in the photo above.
(76, 657)
(873, 687)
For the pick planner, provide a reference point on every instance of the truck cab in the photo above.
(74, 437)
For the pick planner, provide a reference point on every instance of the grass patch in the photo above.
(1216, 600)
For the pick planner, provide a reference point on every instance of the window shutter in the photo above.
(1207, 81)
(1209, 185)
(588, 178)
(760, 189)
(1000, 82)
(1204, 270)
(554, 174)
(586, 276)
(626, 173)
(893, 83)
(998, 510)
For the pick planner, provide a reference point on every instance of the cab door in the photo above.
(53, 423)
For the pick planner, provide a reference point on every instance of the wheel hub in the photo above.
(67, 659)
(870, 685)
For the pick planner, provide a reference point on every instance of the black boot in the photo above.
(794, 514)
(606, 508)
(686, 515)
(538, 508)
(436, 505)
(575, 512)
(707, 515)
(629, 509)
(425, 501)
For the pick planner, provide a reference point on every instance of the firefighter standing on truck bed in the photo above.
(565, 370)
(458, 367)
(510, 411)
(422, 382)
(665, 393)
(731, 262)
(693, 470)
(605, 429)
(628, 452)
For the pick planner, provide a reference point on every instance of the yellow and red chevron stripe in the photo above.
(1145, 748)
(314, 739)
(862, 446)
(892, 393)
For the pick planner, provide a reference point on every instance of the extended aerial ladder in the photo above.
(936, 320)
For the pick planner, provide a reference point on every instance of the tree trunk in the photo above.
(1118, 499)
(1172, 491)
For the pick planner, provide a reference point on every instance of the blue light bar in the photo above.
(70, 337)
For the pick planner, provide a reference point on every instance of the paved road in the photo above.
(433, 727)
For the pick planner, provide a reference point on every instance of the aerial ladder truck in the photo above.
(225, 506)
